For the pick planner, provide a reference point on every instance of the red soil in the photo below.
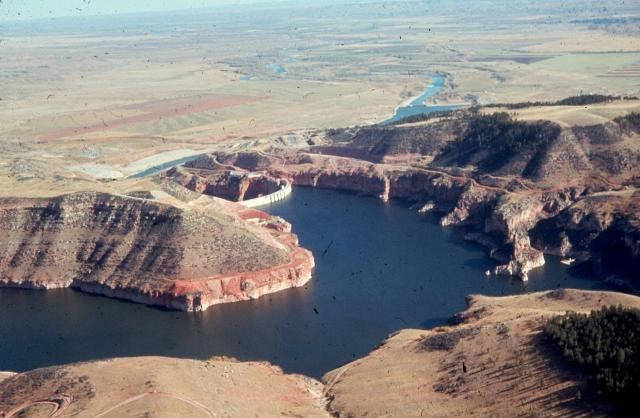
(158, 113)
(249, 213)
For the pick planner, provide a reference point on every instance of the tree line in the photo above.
(491, 141)
(605, 344)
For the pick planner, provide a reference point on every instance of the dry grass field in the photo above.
(91, 98)
(509, 371)
(161, 387)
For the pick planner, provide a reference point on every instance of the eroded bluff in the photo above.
(521, 188)
(207, 176)
(182, 257)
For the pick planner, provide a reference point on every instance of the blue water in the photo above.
(418, 106)
(277, 68)
(380, 268)
(437, 84)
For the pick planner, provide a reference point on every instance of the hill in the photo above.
(185, 256)
(160, 387)
(493, 363)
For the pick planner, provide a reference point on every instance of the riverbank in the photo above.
(492, 362)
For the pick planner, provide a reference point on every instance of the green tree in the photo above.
(605, 344)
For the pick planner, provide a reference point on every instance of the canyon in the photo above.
(279, 208)
(523, 188)
(556, 189)
(567, 190)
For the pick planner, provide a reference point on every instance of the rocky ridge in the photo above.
(502, 181)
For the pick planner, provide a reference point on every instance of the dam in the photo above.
(285, 190)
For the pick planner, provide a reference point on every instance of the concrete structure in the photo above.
(285, 190)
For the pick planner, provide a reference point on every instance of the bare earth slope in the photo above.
(160, 387)
(177, 255)
(510, 373)
(5, 375)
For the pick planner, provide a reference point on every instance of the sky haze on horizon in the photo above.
(11, 10)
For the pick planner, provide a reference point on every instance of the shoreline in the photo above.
(198, 294)
(460, 201)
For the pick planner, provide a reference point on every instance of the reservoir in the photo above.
(380, 268)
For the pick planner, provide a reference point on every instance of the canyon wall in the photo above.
(481, 211)
(520, 188)
(518, 228)
(181, 257)
(233, 185)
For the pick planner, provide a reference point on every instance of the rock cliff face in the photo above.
(465, 204)
(360, 180)
(185, 258)
(520, 188)
(603, 229)
(236, 186)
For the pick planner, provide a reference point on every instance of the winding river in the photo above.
(418, 107)
(380, 268)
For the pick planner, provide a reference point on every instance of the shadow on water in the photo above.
(379, 268)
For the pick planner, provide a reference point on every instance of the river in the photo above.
(380, 268)
(418, 107)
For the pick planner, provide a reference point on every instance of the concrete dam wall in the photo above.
(281, 194)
